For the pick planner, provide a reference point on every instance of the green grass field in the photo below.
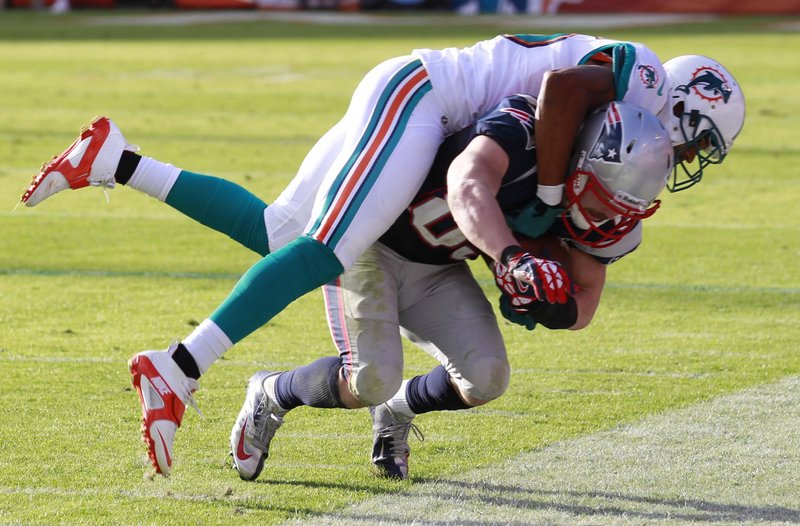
(707, 306)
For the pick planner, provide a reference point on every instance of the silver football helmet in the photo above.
(703, 116)
(621, 162)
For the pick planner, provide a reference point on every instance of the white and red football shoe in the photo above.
(164, 392)
(256, 424)
(90, 161)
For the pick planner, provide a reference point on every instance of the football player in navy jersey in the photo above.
(414, 282)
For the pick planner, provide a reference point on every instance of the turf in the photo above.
(740, 467)
(707, 306)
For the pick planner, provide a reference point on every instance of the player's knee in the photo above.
(485, 380)
(375, 383)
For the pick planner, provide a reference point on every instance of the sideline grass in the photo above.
(708, 305)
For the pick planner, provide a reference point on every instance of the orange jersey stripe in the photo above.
(358, 171)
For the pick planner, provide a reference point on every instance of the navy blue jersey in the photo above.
(426, 231)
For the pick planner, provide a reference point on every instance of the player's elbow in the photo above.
(582, 322)
(578, 87)
(586, 308)
(558, 84)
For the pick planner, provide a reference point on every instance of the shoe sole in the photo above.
(40, 177)
(136, 379)
(384, 472)
(80, 179)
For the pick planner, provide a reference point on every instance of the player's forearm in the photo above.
(587, 305)
(479, 217)
(567, 95)
(589, 279)
(473, 180)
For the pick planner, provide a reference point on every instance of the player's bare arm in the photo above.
(566, 97)
(473, 181)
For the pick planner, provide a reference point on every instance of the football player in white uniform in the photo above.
(358, 179)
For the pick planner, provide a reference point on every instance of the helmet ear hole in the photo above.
(677, 109)
(694, 118)
(631, 145)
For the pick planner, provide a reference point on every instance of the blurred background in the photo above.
(466, 7)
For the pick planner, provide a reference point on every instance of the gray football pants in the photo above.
(439, 308)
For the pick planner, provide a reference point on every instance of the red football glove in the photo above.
(547, 279)
(519, 294)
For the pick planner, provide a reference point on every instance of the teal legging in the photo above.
(224, 206)
(271, 283)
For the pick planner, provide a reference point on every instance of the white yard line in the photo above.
(730, 460)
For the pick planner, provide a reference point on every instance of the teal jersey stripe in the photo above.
(623, 56)
(380, 161)
(538, 40)
(374, 121)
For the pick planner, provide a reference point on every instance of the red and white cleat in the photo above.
(164, 392)
(90, 161)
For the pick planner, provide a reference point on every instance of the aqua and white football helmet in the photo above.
(704, 114)
(621, 162)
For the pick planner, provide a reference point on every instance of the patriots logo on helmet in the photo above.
(648, 75)
(608, 144)
(708, 84)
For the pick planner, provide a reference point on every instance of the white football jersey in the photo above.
(468, 82)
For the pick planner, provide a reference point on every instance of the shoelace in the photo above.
(191, 402)
(262, 431)
(398, 433)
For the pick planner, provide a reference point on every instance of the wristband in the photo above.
(554, 315)
(550, 195)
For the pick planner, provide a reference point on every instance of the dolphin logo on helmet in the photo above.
(708, 84)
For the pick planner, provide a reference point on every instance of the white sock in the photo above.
(398, 404)
(154, 178)
(206, 344)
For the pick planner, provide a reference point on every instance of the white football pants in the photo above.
(362, 174)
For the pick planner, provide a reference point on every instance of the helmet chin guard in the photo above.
(584, 191)
(704, 145)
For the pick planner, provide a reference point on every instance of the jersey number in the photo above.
(433, 213)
